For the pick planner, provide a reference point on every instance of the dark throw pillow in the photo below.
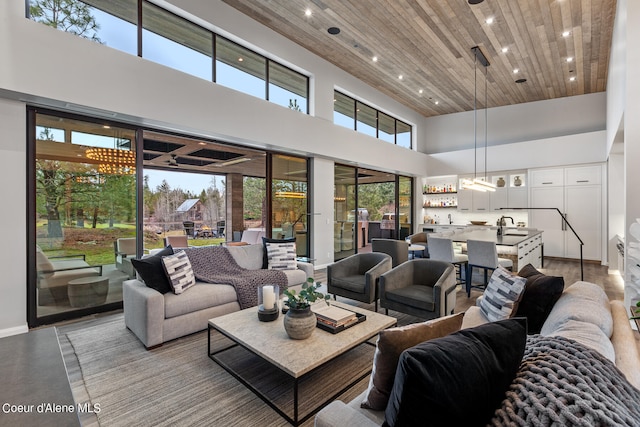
(265, 240)
(152, 272)
(391, 343)
(457, 380)
(540, 295)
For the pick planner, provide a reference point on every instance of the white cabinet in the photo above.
(471, 200)
(584, 214)
(548, 220)
(583, 175)
(530, 252)
(580, 199)
(547, 177)
(511, 191)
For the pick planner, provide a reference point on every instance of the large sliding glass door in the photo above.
(84, 213)
(83, 192)
(345, 213)
(289, 201)
(369, 204)
(405, 203)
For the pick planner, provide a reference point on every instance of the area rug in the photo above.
(177, 383)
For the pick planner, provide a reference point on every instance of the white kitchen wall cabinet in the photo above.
(577, 192)
(511, 191)
(472, 200)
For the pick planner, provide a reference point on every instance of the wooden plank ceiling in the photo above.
(429, 43)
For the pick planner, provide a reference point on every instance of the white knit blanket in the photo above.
(563, 383)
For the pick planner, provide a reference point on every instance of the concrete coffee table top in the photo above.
(297, 357)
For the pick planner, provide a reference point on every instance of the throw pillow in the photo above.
(281, 256)
(152, 272)
(540, 295)
(179, 272)
(457, 380)
(265, 240)
(391, 343)
(500, 299)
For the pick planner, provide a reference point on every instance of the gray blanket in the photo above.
(215, 264)
(563, 383)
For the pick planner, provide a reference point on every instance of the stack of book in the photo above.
(333, 316)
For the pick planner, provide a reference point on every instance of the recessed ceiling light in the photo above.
(334, 31)
(240, 59)
(489, 20)
(106, 127)
(516, 71)
(437, 102)
(374, 59)
(202, 143)
(505, 49)
(307, 12)
(572, 79)
(475, 1)
(566, 34)
(521, 80)
(420, 91)
(569, 59)
(400, 77)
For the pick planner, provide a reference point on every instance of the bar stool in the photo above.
(483, 254)
(441, 249)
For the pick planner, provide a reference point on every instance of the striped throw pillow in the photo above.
(281, 256)
(503, 293)
(179, 271)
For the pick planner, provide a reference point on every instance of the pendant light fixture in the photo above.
(479, 184)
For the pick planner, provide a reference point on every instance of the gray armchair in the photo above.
(125, 249)
(420, 287)
(356, 277)
(398, 249)
(420, 239)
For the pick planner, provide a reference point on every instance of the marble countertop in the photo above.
(510, 237)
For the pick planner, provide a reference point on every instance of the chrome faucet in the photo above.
(450, 220)
(503, 222)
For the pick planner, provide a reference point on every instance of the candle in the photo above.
(268, 297)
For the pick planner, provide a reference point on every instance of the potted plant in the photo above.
(635, 311)
(300, 321)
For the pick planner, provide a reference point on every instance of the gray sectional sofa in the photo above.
(156, 318)
(584, 315)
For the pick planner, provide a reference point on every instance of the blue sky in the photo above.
(193, 182)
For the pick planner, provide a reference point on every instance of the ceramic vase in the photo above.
(500, 182)
(517, 181)
(299, 323)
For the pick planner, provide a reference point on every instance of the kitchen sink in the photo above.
(515, 234)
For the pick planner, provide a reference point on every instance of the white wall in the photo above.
(322, 172)
(615, 205)
(13, 175)
(522, 122)
(558, 151)
(616, 78)
(632, 139)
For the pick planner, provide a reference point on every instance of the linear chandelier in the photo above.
(290, 194)
(479, 184)
(113, 161)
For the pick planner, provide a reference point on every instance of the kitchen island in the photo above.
(521, 246)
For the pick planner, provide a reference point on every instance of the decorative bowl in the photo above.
(478, 222)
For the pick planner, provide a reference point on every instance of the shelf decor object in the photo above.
(479, 184)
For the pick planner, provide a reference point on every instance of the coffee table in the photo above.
(296, 358)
